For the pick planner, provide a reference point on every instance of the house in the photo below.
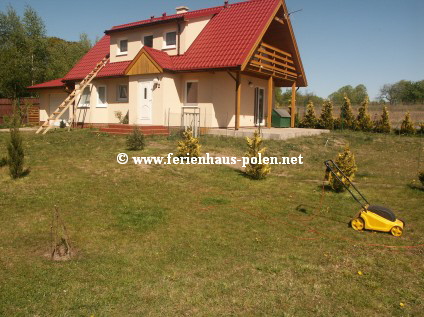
(221, 63)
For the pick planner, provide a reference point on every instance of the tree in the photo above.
(347, 120)
(363, 119)
(356, 95)
(326, 119)
(383, 125)
(189, 146)
(310, 119)
(403, 91)
(346, 162)
(135, 141)
(256, 169)
(16, 155)
(407, 126)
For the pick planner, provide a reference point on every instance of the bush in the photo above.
(135, 141)
(189, 146)
(310, 120)
(16, 151)
(422, 128)
(3, 161)
(421, 177)
(326, 120)
(347, 120)
(256, 171)
(363, 119)
(346, 162)
(407, 126)
(62, 124)
(383, 125)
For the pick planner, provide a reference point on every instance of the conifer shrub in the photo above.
(3, 161)
(421, 177)
(15, 149)
(326, 120)
(310, 120)
(189, 146)
(421, 128)
(347, 120)
(383, 125)
(62, 124)
(346, 162)
(135, 140)
(363, 119)
(407, 126)
(256, 169)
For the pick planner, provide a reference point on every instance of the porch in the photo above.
(267, 133)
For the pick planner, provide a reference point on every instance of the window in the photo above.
(192, 93)
(170, 40)
(148, 40)
(85, 98)
(122, 47)
(122, 93)
(102, 101)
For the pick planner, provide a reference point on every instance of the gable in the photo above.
(143, 64)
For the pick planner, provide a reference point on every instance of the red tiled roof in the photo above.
(225, 41)
(49, 84)
(89, 60)
(187, 15)
(113, 69)
(160, 57)
(228, 38)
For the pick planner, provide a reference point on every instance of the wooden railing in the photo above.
(273, 61)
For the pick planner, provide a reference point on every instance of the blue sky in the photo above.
(346, 42)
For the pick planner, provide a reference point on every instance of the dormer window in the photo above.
(148, 40)
(170, 40)
(122, 47)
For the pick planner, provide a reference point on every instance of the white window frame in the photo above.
(99, 103)
(118, 51)
(117, 93)
(186, 104)
(85, 105)
(145, 35)
(164, 45)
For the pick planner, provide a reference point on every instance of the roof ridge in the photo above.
(172, 16)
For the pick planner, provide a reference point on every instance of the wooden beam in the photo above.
(293, 105)
(270, 100)
(279, 20)
(273, 48)
(238, 101)
(281, 70)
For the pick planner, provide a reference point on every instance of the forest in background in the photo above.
(28, 56)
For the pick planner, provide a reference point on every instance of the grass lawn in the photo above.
(205, 240)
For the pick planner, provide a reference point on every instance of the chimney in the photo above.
(182, 9)
(225, 4)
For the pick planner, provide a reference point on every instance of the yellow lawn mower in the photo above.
(370, 217)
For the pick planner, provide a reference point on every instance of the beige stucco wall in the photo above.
(216, 96)
(45, 95)
(98, 114)
(189, 31)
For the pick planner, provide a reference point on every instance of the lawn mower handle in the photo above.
(330, 169)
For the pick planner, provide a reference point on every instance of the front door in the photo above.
(144, 111)
(259, 106)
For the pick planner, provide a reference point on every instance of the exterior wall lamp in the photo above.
(156, 82)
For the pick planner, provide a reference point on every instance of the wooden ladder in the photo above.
(72, 96)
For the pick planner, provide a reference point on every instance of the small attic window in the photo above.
(170, 40)
(122, 47)
(148, 40)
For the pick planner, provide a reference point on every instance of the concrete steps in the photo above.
(125, 129)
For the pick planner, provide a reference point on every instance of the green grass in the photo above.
(205, 240)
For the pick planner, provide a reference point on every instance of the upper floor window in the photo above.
(148, 40)
(122, 47)
(122, 93)
(170, 40)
